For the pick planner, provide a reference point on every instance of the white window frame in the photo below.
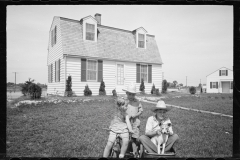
(90, 32)
(92, 70)
(223, 73)
(144, 40)
(214, 84)
(141, 73)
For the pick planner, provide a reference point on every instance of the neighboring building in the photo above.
(220, 81)
(204, 88)
(90, 52)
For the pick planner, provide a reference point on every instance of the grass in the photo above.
(75, 129)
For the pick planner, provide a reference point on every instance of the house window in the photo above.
(231, 85)
(144, 73)
(141, 40)
(214, 84)
(223, 72)
(54, 36)
(92, 70)
(90, 31)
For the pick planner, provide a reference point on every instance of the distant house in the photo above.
(90, 52)
(204, 88)
(220, 81)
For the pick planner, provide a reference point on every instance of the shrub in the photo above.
(153, 91)
(142, 86)
(164, 86)
(25, 86)
(114, 92)
(157, 92)
(87, 91)
(35, 91)
(102, 88)
(68, 91)
(192, 90)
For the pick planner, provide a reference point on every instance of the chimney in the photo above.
(98, 18)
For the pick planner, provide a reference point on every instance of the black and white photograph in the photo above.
(119, 81)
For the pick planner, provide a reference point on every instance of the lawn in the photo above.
(75, 129)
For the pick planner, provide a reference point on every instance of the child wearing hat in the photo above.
(153, 128)
(134, 110)
(121, 125)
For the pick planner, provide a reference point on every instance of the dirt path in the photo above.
(190, 109)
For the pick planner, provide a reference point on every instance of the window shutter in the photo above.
(100, 70)
(55, 71)
(59, 65)
(216, 84)
(219, 72)
(55, 35)
(149, 73)
(231, 85)
(83, 70)
(51, 73)
(226, 72)
(138, 73)
(210, 84)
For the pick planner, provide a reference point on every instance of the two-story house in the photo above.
(220, 81)
(90, 52)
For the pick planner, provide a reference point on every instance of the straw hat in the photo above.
(131, 88)
(160, 105)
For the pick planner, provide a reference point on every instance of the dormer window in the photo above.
(141, 40)
(90, 31)
(89, 25)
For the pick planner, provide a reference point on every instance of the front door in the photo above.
(225, 87)
(120, 78)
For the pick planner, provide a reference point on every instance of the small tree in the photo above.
(87, 91)
(68, 91)
(114, 93)
(25, 86)
(142, 86)
(35, 91)
(192, 90)
(175, 83)
(153, 91)
(102, 88)
(164, 86)
(157, 92)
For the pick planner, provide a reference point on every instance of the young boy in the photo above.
(134, 109)
(120, 124)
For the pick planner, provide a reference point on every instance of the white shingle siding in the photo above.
(109, 76)
(157, 77)
(55, 53)
(214, 77)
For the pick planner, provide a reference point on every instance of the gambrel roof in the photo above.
(112, 44)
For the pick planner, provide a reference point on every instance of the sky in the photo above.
(193, 40)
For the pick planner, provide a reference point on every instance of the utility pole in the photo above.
(15, 82)
(186, 81)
